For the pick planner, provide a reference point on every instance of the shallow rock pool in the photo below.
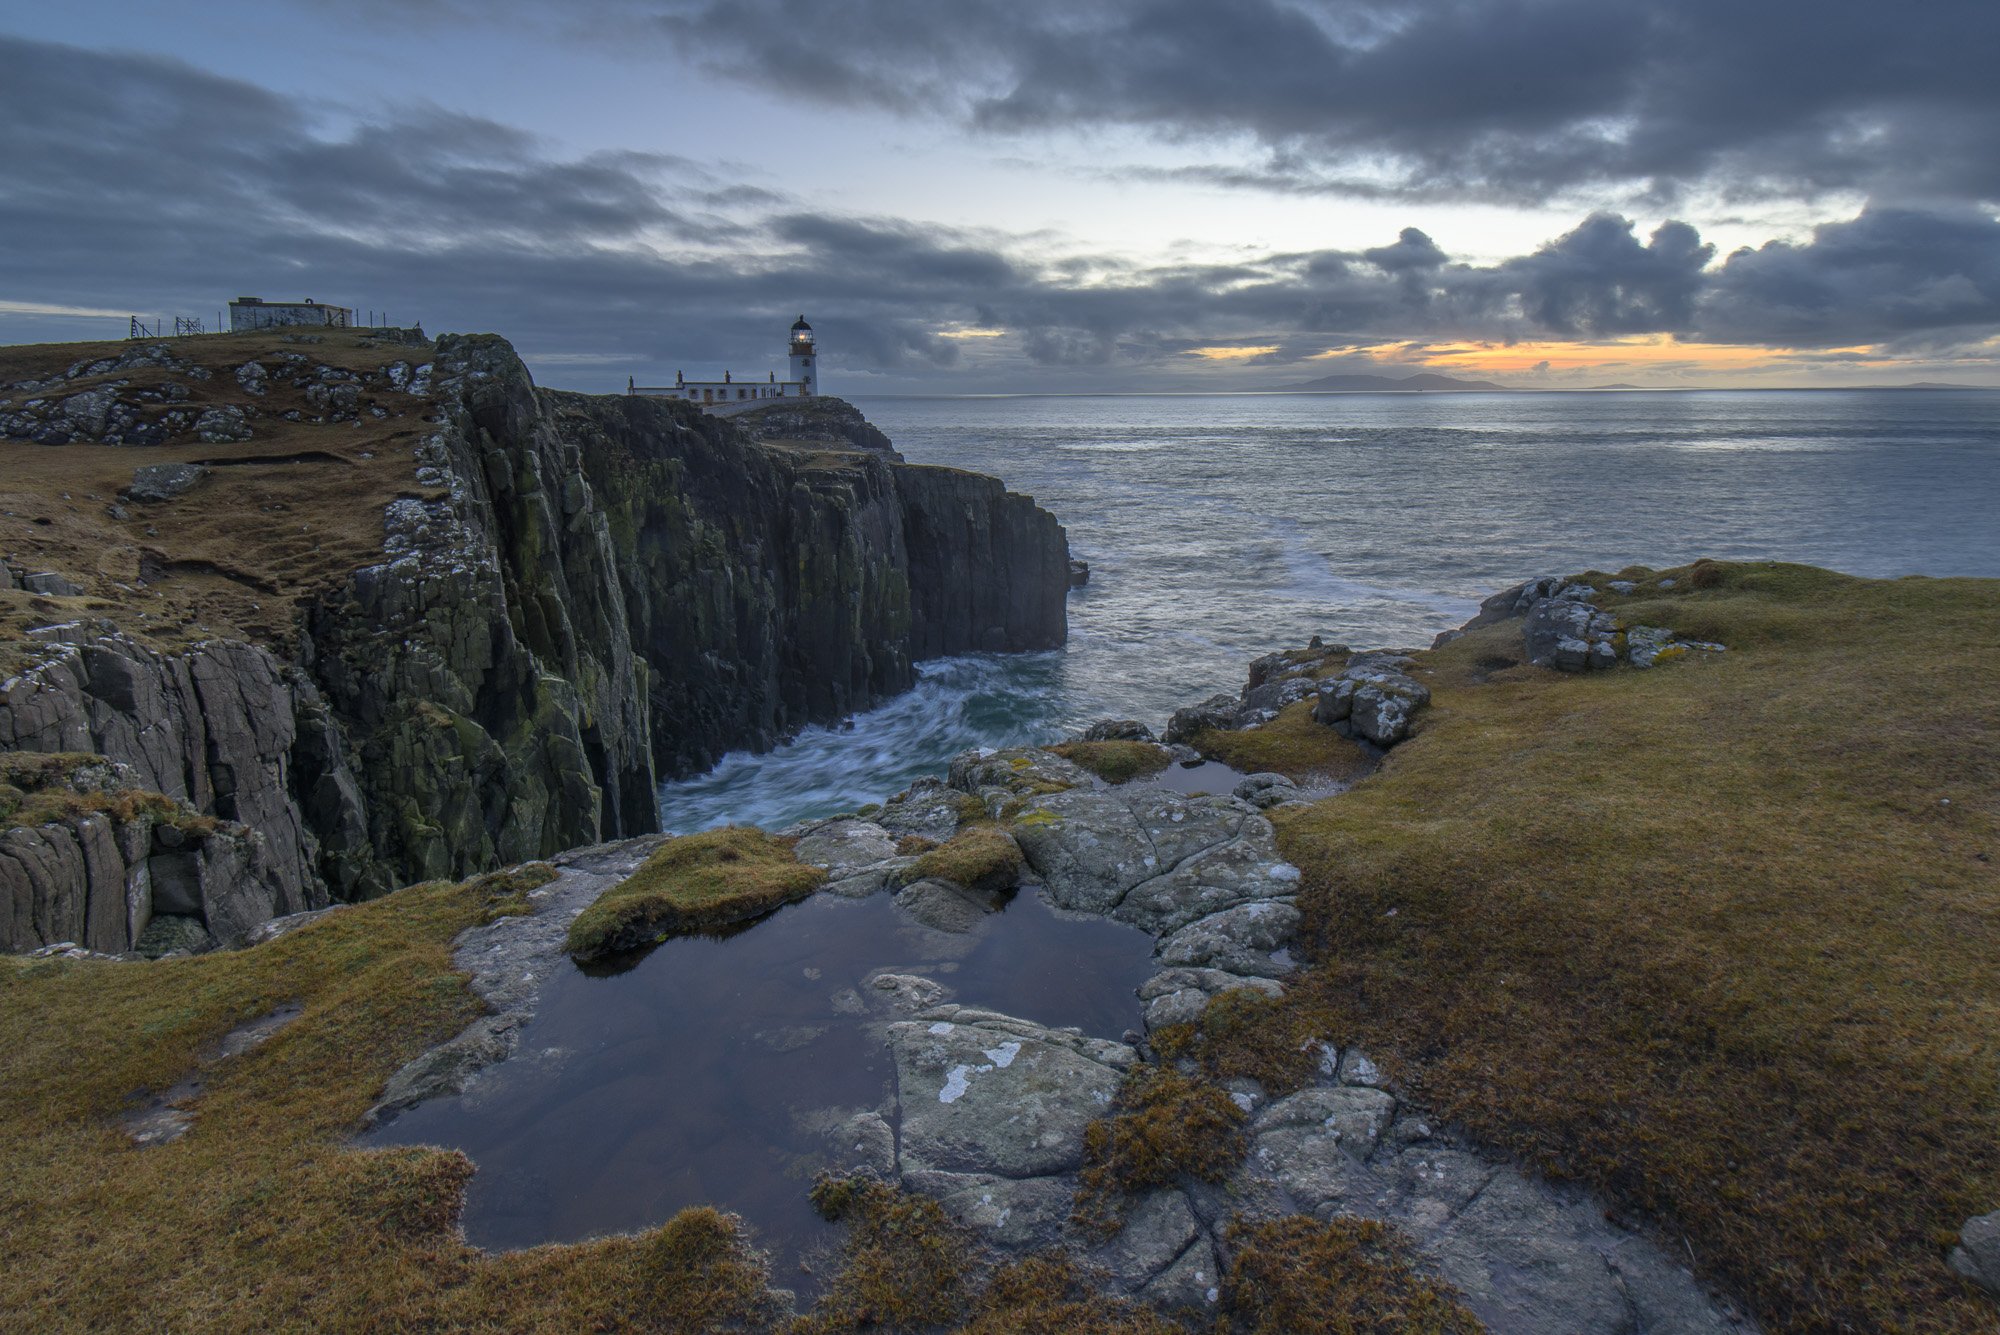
(701, 1072)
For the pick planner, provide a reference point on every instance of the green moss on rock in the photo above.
(695, 883)
(981, 857)
(1115, 762)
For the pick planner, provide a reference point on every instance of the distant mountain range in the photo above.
(1425, 382)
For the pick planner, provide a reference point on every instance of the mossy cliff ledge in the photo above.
(417, 618)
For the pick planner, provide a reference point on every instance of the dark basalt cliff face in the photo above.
(588, 594)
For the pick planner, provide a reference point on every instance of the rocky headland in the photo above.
(388, 611)
(1620, 962)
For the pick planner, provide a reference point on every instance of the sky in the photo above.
(995, 196)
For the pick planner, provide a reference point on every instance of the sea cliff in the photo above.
(501, 613)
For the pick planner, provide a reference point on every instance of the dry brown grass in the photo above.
(236, 556)
(1299, 1276)
(904, 1266)
(1050, 1296)
(1164, 1128)
(1718, 938)
(260, 1218)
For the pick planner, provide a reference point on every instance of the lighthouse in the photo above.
(803, 355)
(729, 395)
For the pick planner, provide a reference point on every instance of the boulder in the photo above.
(1645, 646)
(1977, 1255)
(984, 1093)
(844, 846)
(222, 424)
(1264, 790)
(928, 808)
(1024, 772)
(1217, 713)
(53, 585)
(155, 483)
(1118, 730)
(1091, 847)
(1372, 698)
(1569, 635)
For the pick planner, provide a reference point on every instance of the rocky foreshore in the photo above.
(990, 1114)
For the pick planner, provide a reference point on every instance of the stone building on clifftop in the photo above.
(256, 313)
(730, 395)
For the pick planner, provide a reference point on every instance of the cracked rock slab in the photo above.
(1007, 1101)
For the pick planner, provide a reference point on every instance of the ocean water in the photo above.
(1218, 528)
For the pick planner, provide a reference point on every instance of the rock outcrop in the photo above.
(1372, 698)
(1367, 696)
(578, 596)
(100, 864)
(1562, 626)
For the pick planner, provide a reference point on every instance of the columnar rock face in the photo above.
(988, 570)
(581, 595)
(219, 727)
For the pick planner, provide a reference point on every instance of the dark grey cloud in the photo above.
(1412, 252)
(1510, 98)
(1599, 282)
(176, 189)
(1907, 277)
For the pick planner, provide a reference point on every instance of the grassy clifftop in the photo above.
(1718, 938)
(281, 516)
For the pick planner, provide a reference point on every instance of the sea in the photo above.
(1221, 527)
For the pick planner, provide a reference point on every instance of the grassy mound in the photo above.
(1292, 744)
(982, 857)
(695, 883)
(1717, 938)
(1115, 762)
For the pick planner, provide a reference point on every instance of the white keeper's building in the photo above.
(730, 395)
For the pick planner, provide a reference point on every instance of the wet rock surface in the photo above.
(508, 960)
(989, 1109)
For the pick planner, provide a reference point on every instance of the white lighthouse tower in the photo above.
(804, 355)
(729, 395)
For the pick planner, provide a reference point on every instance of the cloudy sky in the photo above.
(993, 195)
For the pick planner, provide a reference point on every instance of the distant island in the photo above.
(1429, 382)
(1423, 382)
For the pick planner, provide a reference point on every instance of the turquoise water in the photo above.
(1218, 528)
